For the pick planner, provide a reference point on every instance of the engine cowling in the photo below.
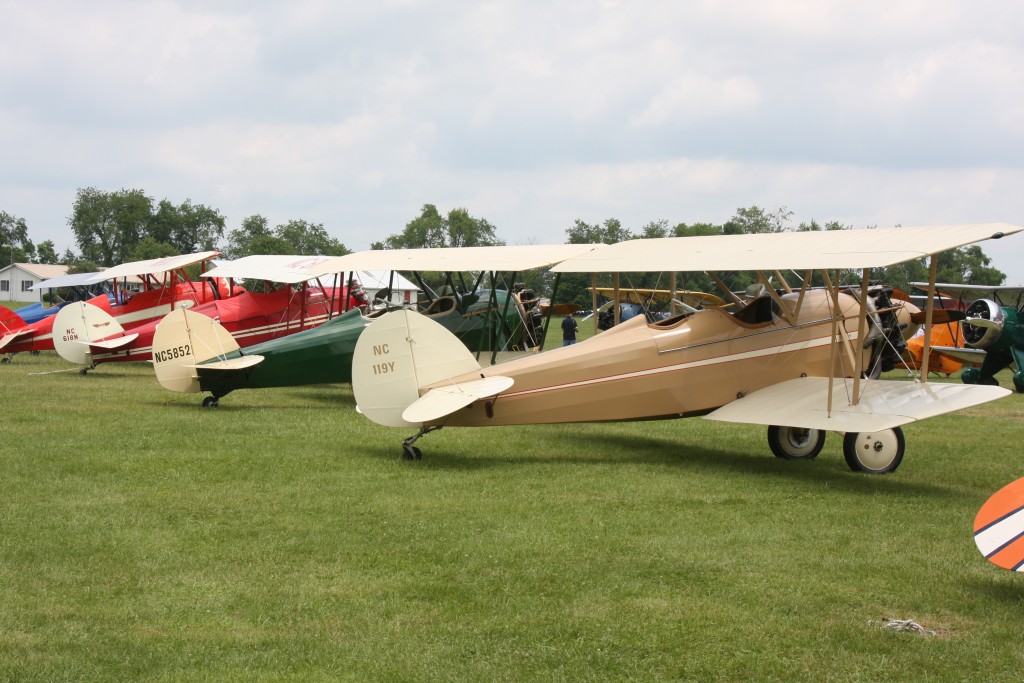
(984, 324)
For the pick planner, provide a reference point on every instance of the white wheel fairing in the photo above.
(874, 452)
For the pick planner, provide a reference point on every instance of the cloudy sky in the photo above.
(530, 114)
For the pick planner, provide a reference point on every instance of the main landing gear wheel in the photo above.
(795, 443)
(874, 452)
(211, 402)
(410, 452)
(6, 360)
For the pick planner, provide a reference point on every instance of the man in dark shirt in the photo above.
(569, 329)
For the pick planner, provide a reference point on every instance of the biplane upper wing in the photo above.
(831, 249)
(884, 404)
(153, 266)
(971, 289)
(514, 258)
(283, 268)
(72, 280)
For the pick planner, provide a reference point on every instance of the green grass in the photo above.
(282, 537)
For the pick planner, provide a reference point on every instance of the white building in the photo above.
(377, 281)
(17, 279)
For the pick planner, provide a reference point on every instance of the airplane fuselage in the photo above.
(688, 365)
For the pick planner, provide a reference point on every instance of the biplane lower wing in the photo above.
(229, 365)
(883, 404)
(964, 355)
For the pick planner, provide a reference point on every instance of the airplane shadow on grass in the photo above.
(1003, 586)
(602, 447)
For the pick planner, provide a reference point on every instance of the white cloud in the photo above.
(529, 114)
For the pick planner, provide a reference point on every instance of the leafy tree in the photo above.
(82, 266)
(15, 246)
(46, 252)
(149, 248)
(964, 265)
(294, 237)
(574, 287)
(757, 220)
(814, 226)
(310, 238)
(654, 230)
(107, 225)
(696, 230)
(431, 229)
(609, 232)
(110, 227)
(187, 227)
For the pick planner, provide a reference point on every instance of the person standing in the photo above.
(569, 329)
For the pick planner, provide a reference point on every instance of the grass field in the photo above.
(282, 537)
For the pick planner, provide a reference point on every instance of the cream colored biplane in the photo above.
(799, 360)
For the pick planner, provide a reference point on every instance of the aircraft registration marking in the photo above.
(384, 367)
(181, 351)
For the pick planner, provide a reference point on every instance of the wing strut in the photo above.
(862, 319)
(929, 308)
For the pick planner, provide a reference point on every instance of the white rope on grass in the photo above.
(906, 626)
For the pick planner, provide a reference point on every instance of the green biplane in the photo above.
(193, 353)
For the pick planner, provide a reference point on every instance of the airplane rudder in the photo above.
(384, 379)
(78, 324)
(176, 340)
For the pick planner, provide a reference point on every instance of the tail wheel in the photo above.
(795, 443)
(874, 452)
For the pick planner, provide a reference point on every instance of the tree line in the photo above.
(128, 225)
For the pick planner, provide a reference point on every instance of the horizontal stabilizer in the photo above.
(441, 401)
(240, 363)
(973, 356)
(884, 404)
(8, 338)
(115, 343)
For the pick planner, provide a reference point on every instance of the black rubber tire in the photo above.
(410, 452)
(874, 452)
(211, 402)
(792, 443)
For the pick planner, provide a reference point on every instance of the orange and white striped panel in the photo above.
(999, 527)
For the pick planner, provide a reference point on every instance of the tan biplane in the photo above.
(799, 360)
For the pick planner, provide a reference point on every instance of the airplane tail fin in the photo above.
(79, 326)
(183, 339)
(10, 324)
(10, 321)
(397, 355)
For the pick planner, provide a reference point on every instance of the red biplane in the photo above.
(293, 300)
(164, 286)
